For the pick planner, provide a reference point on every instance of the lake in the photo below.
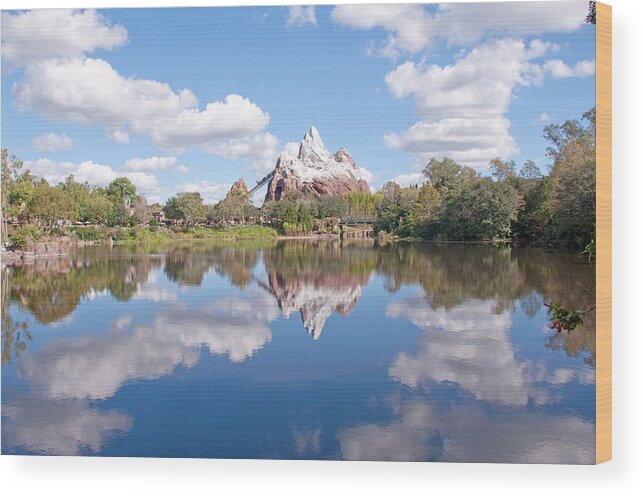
(299, 349)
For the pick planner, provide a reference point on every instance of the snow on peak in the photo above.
(312, 148)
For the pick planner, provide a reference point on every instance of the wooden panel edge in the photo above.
(603, 233)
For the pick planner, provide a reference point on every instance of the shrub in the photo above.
(86, 233)
(26, 235)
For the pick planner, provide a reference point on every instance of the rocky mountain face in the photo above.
(238, 187)
(315, 171)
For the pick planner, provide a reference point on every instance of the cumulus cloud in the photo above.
(90, 91)
(558, 69)
(368, 175)
(544, 117)
(412, 28)
(118, 136)
(211, 192)
(96, 366)
(41, 34)
(463, 105)
(300, 15)
(139, 164)
(90, 172)
(405, 180)
(51, 142)
(260, 150)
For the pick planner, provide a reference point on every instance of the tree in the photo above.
(49, 205)
(142, 213)
(304, 219)
(187, 207)
(121, 190)
(119, 216)
(79, 194)
(530, 171)
(448, 177)
(483, 212)
(98, 207)
(573, 180)
(501, 170)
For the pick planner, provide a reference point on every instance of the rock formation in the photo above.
(238, 187)
(315, 171)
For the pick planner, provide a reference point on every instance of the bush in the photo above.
(86, 233)
(25, 235)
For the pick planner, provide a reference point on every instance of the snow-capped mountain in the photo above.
(315, 171)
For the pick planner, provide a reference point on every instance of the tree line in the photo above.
(454, 202)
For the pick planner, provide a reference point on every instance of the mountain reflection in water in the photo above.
(429, 352)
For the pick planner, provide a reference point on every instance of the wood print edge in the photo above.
(603, 233)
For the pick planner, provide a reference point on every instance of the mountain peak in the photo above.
(312, 147)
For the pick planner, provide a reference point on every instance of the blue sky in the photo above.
(193, 99)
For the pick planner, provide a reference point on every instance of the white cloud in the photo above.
(90, 172)
(51, 142)
(412, 28)
(234, 118)
(478, 85)
(408, 179)
(558, 69)
(260, 150)
(471, 142)
(292, 148)
(544, 117)
(90, 91)
(28, 37)
(182, 169)
(118, 136)
(409, 25)
(367, 175)
(145, 183)
(211, 192)
(139, 164)
(463, 105)
(300, 15)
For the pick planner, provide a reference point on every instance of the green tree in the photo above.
(49, 205)
(98, 207)
(501, 170)
(573, 180)
(484, 211)
(448, 177)
(187, 207)
(304, 219)
(121, 190)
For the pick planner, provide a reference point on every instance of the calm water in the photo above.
(299, 349)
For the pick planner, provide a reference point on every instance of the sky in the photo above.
(192, 99)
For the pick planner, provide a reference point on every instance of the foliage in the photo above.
(561, 318)
(186, 207)
(573, 180)
(25, 235)
(484, 211)
(49, 205)
(591, 14)
(121, 190)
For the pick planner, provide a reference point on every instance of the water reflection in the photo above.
(439, 352)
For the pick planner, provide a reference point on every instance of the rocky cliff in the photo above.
(315, 171)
